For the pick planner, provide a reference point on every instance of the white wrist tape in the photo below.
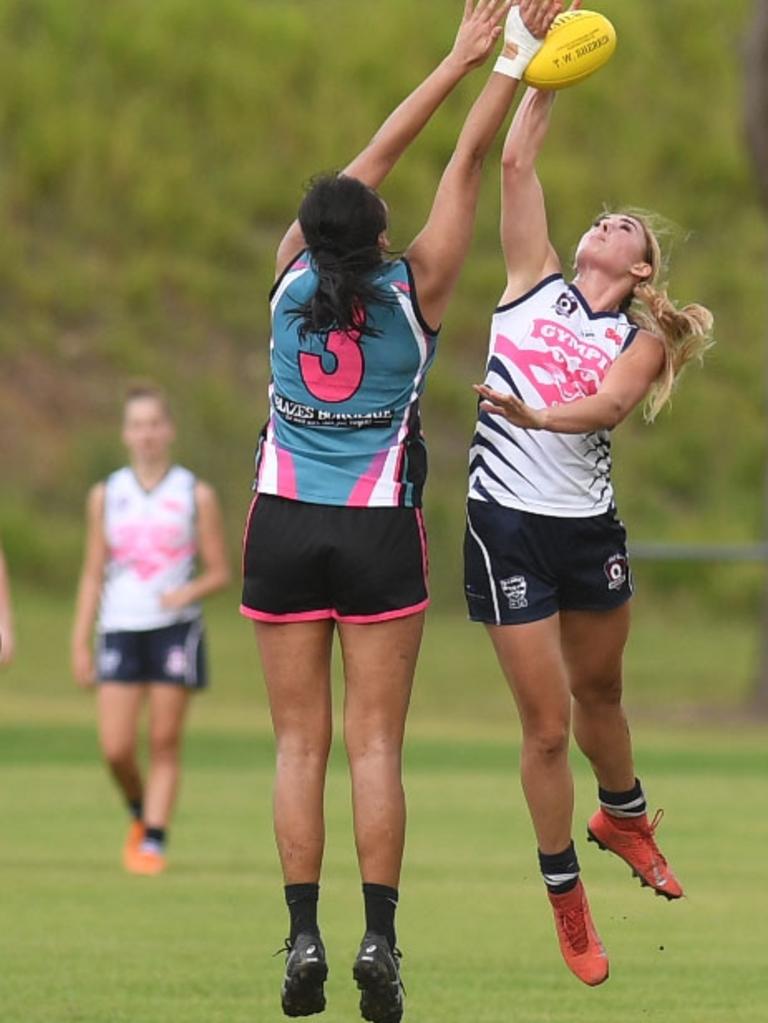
(520, 46)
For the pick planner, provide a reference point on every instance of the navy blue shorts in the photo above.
(306, 562)
(174, 654)
(520, 567)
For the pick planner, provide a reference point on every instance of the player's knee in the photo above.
(372, 746)
(303, 748)
(548, 742)
(117, 755)
(165, 745)
(601, 692)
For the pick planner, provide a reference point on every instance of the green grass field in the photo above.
(83, 943)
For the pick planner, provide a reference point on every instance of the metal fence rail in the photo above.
(755, 552)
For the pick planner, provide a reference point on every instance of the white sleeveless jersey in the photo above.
(152, 544)
(547, 348)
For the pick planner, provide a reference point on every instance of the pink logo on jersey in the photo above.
(149, 548)
(614, 335)
(566, 369)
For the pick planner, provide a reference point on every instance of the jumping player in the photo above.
(147, 525)
(6, 615)
(335, 538)
(545, 553)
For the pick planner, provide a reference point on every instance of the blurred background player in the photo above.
(7, 642)
(545, 553)
(335, 538)
(147, 524)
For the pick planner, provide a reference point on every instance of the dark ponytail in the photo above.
(342, 220)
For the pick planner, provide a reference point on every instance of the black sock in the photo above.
(560, 870)
(380, 906)
(136, 807)
(159, 836)
(624, 804)
(301, 900)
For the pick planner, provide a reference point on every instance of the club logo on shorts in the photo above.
(566, 305)
(515, 589)
(109, 661)
(176, 662)
(616, 570)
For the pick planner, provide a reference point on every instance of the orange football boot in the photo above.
(145, 861)
(632, 838)
(133, 840)
(580, 944)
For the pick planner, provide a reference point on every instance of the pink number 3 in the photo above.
(344, 379)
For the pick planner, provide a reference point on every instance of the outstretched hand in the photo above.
(511, 408)
(479, 30)
(538, 15)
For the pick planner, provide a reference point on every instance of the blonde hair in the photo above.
(685, 333)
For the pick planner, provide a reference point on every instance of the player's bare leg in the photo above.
(296, 658)
(379, 663)
(593, 645)
(532, 661)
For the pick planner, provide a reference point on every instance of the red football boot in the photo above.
(632, 838)
(580, 944)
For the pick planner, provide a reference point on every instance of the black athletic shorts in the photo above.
(520, 567)
(304, 562)
(174, 654)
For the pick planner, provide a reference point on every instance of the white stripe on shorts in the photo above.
(487, 560)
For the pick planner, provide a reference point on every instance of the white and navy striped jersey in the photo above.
(547, 347)
(152, 544)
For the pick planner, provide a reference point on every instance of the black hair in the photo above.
(342, 220)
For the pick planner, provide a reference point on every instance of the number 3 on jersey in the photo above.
(343, 381)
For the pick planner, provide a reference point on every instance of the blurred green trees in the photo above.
(152, 153)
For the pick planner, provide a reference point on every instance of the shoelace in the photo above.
(285, 950)
(575, 927)
(649, 833)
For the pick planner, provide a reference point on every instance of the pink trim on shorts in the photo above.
(247, 529)
(387, 616)
(297, 616)
(424, 546)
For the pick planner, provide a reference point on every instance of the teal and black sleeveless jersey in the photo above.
(344, 426)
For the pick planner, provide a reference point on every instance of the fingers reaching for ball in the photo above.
(538, 15)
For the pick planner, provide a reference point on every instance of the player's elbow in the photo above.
(613, 412)
(515, 165)
(470, 160)
(223, 577)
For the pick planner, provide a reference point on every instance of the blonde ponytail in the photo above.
(685, 333)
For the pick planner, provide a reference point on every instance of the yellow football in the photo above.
(577, 45)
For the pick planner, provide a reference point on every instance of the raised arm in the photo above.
(89, 590)
(478, 32)
(625, 385)
(438, 252)
(6, 615)
(528, 254)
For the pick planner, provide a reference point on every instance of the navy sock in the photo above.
(624, 804)
(136, 807)
(560, 870)
(380, 907)
(302, 900)
(157, 836)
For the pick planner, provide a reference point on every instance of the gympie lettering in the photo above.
(298, 414)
